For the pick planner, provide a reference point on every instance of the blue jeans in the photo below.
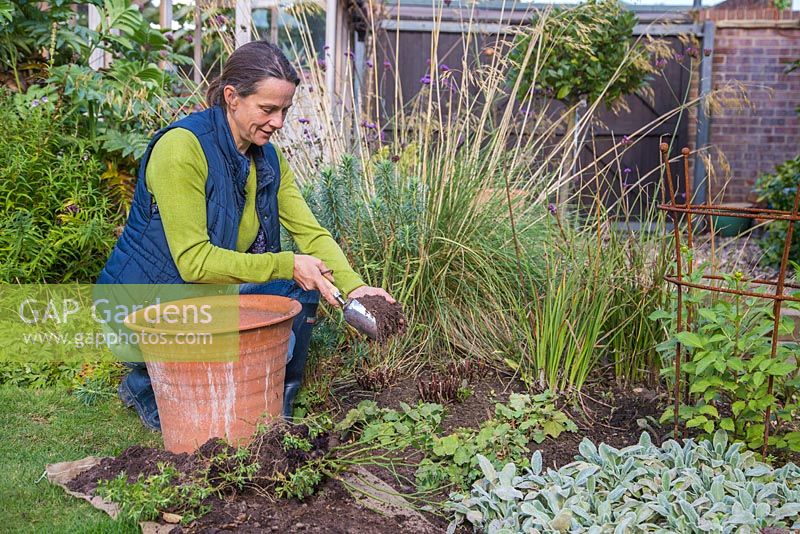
(136, 389)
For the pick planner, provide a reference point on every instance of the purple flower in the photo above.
(35, 103)
(303, 120)
(692, 52)
(369, 64)
(189, 38)
(72, 208)
(627, 170)
(444, 68)
(321, 63)
(552, 208)
(395, 158)
(386, 64)
(678, 57)
(625, 140)
(661, 63)
(169, 37)
(221, 19)
(326, 47)
(44, 100)
(706, 52)
(425, 80)
(350, 54)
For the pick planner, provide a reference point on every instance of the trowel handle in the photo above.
(335, 292)
(338, 296)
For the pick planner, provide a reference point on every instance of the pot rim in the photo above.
(245, 302)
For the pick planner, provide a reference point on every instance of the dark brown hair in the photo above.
(250, 64)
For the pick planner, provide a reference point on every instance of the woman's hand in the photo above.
(363, 291)
(308, 273)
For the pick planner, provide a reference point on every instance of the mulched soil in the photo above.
(731, 254)
(388, 316)
(611, 415)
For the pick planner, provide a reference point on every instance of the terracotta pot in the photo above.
(217, 364)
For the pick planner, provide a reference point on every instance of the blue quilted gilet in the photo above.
(142, 256)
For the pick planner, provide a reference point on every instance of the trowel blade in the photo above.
(361, 319)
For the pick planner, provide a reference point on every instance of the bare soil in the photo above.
(609, 415)
(742, 253)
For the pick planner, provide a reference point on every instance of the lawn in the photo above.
(38, 427)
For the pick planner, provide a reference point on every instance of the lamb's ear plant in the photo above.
(706, 486)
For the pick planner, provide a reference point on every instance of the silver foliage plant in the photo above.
(709, 486)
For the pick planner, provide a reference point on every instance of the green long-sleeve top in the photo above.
(176, 176)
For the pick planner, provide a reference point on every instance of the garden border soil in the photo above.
(613, 419)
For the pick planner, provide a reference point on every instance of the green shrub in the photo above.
(586, 51)
(38, 374)
(56, 221)
(778, 191)
(731, 366)
(698, 487)
(116, 109)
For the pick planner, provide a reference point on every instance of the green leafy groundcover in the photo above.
(452, 460)
(708, 486)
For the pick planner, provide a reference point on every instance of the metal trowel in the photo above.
(358, 316)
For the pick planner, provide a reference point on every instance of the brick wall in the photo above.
(765, 131)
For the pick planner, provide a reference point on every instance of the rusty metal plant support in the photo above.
(682, 285)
